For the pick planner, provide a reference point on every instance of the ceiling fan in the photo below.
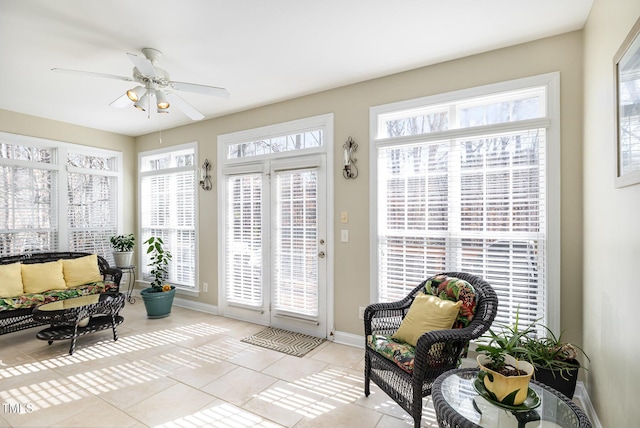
(155, 87)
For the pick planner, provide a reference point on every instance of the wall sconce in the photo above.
(350, 170)
(205, 177)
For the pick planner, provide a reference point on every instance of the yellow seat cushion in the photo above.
(80, 271)
(40, 277)
(427, 313)
(11, 280)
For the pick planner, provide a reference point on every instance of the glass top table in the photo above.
(457, 404)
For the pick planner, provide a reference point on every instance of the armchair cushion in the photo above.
(454, 289)
(400, 353)
(427, 313)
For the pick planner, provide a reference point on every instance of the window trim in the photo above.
(551, 122)
(190, 291)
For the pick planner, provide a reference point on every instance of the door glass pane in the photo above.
(296, 235)
(244, 240)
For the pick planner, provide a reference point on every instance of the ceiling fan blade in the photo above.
(121, 102)
(143, 65)
(186, 108)
(92, 74)
(200, 89)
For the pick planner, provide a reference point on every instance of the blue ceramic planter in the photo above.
(158, 304)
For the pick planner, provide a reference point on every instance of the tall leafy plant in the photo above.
(159, 262)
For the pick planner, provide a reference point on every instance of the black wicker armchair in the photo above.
(435, 353)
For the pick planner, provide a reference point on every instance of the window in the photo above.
(167, 191)
(57, 196)
(464, 182)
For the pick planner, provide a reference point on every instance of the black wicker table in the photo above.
(458, 405)
(71, 318)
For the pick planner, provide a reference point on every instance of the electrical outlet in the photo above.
(205, 287)
(361, 312)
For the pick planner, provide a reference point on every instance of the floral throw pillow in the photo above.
(454, 289)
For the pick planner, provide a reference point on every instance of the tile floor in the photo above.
(187, 370)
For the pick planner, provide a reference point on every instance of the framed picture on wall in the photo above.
(627, 97)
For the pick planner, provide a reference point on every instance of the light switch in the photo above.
(344, 235)
(344, 217)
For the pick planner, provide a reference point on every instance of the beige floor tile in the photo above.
(342, 355)
(201, 372)
(255, 358)
(349, 415)
(136, 386)
(223, 415)
(285, 403)
(292, 368)
(48, 403)
(100, 415)
(178, 401)
(239, 385)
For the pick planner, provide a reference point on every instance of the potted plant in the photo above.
(504, 376)
(556, 362)
(123, 249)
(158, 298)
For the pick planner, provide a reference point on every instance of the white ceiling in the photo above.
(261, 51)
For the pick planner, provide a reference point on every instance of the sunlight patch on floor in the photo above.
(226, 415)
(108, 348)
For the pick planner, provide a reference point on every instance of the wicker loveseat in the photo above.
(16, 310)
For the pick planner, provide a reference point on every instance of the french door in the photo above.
(275, 244)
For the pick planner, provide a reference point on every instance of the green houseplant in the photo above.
(158, 298)
(123, 249)
(503, 374)
(556, 362)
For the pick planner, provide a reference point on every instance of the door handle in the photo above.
(321, 254)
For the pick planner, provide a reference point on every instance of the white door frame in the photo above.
(243, 165)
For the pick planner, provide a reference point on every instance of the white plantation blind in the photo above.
(244, 240)
(474, 201)
(167, 209)
(28, 210)
(296, 250)
(92, 202)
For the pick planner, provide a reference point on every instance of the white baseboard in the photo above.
(196, 306)
(584, 402)
(349, 339)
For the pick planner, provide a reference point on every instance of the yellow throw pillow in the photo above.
(427, 313)
(10, 280)
(40, 277)
(83, 270)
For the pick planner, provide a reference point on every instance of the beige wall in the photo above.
(350, 106)
(23, 124)
(611, 229)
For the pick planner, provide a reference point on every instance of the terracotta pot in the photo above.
(510, 390)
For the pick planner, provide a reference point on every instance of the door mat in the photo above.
(284, 341)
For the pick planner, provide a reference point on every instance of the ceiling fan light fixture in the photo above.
(161, 101)
(136, 93)
(142, 102)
